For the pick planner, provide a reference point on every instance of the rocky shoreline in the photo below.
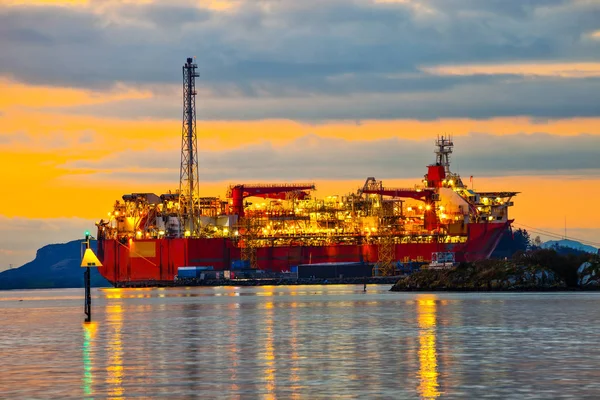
(519, 275)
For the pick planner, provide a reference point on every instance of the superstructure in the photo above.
(277, 226)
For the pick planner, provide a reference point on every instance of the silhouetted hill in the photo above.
(54, 266)
(571, 244)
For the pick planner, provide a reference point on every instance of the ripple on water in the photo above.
(298, 342)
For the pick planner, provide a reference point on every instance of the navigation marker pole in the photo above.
(87, 308)
(89, 260)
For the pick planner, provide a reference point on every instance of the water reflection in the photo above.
(89, 334)
(341, 344)
(269, 354)
(114, 368)
(428, 374)
(233, 350)
(295, 380)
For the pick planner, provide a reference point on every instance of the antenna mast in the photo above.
(444, 149)
(189, 212)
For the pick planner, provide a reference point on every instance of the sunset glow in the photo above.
(87, 117)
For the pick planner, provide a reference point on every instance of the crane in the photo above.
(427, 195)
(237, 193)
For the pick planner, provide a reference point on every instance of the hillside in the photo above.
(54, 266)
(572, 244)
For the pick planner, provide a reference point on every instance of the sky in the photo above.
(324, 91)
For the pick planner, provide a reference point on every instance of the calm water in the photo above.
(298, 342)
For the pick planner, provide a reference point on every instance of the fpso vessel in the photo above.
(276, 227)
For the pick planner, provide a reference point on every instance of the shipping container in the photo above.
(191, 272)
(240, 264)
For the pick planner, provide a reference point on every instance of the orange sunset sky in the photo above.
(329, 92)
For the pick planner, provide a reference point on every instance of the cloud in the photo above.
(570, 70)
(56, 140)
(312, 157)
(21, 237)
(167, 16)
(310, 49)
(522, 9)
(13, 138)
(537, 98)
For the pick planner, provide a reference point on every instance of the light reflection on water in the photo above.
(428, 375)
(298, 342)
(89, 333)
(114, 368)
(269, 352)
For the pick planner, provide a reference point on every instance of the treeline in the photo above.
(564, 266)
(515, 241)
(563, 261)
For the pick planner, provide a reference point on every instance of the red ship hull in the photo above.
(157, 260)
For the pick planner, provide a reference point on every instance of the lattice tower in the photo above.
(386, 255)
(249, 232)
(443, 150)
(385, 248)
(189, 212)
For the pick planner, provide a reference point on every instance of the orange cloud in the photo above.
(595, 35)
(219, 135)
(219, 5)
(556, 70)
(16, 94)
(44, 2)
(36, 142)
(30, 111)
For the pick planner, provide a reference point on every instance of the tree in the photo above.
(512, 242)
(521, 239)
(564, 266)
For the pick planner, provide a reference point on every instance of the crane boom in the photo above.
(237, 193)
(426, 195)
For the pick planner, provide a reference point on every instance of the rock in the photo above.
(588, 274)
(486, 275)
(583, 267)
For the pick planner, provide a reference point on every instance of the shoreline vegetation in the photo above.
(536, 270)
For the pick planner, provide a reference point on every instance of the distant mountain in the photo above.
(572, 244)
(54, 266)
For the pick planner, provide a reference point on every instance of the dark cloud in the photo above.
(315, 158)
(512, 8)
(539, 98)
(168, 16)
(310, 49)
